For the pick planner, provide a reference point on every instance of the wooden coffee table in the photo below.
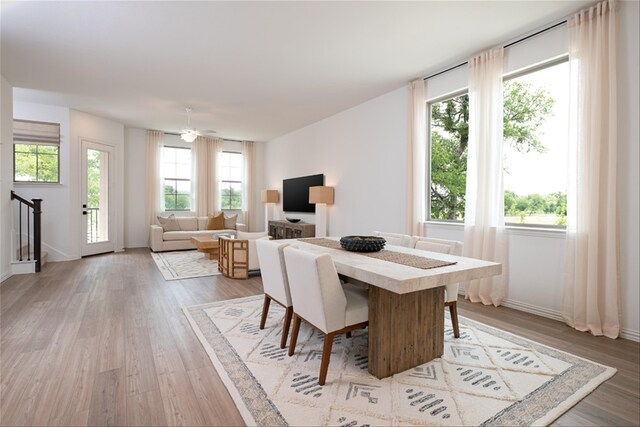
(208, 245)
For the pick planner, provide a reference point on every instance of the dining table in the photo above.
(406, 303)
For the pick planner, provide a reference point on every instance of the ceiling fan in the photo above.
(189, 134)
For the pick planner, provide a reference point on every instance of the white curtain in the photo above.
(416, 159)
(205, 154)
(248, 203)
(484, 236)
(155, 195)
(591, 297)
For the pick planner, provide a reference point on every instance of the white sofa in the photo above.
(161, 240)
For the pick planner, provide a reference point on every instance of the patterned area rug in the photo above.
(184, 264)
(485, 377)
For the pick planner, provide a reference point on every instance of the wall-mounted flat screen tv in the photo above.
(295, 193)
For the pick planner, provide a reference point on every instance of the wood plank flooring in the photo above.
(103, 341)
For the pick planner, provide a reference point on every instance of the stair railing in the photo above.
(35, 206)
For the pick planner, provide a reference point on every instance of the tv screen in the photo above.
(295, 193)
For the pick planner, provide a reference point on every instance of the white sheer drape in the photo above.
(591, 297)
(248, 203)
(484, 236)
(416, 159)
(155, 195)
(205, 154)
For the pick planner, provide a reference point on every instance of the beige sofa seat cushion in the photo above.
(187, 235)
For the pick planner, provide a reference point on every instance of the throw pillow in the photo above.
(230, 222)
(216, 222)
(169, 223)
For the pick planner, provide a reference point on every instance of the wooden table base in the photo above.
(405, 330)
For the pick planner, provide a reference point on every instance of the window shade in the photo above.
(541, 48)
(30, 132)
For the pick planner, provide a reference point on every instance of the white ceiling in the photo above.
(250, 70)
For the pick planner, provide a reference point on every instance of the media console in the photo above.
(289, 230)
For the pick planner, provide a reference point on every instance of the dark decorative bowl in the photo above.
(294, 220)
(362, 243)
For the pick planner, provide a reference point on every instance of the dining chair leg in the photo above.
(265, 310)
(326, 357)
(294, 334)
(453, 309)
(285, 328)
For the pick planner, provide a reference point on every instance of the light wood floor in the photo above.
(103, 341)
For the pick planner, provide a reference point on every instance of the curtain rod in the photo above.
(224, 139)
(564, 21)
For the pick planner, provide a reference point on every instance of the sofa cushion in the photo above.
(216, 222)
(187, 235)
(189, 223)
(230, 222)
(169, 223)
(242, 235)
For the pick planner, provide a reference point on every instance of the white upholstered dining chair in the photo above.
(321, 300)
(395, 238)
(275, 282)
(451, 247)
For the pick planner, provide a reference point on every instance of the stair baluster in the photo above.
(36, 210)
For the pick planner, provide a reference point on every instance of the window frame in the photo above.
(175, 181)
(36, 154)
(551, 62)
(222, 181)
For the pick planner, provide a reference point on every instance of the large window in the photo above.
(535, 138)
(449, 138)
(36, 151)
(536, 132)
(176, 175)
(231, 177)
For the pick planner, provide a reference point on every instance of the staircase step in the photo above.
(44, 256)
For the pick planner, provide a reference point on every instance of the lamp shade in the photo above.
(269, 196)
(321, 194)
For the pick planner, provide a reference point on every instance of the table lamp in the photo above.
(321, 196)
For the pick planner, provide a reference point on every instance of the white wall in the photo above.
(136, 224)
(6, 180)
(362, 152)
(61, 206)
(629, 162)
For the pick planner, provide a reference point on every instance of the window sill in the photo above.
(36, 184)
(515, 230)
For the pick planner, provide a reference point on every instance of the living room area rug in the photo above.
(485, 377)
(178, 265)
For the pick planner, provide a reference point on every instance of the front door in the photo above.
(97, 198)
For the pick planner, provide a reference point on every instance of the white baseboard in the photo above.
(533, 309)
(628, 334)
(55, 255)
(5, 276)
